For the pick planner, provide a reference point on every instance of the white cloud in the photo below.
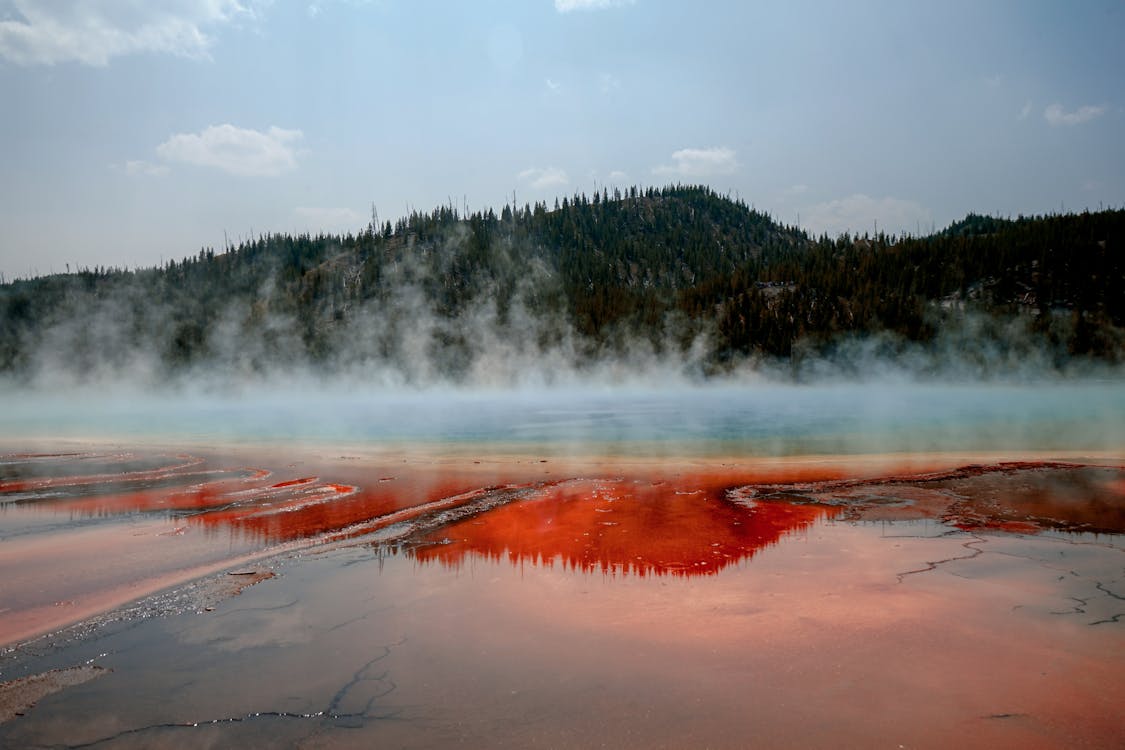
(94, 31)
(141, 168)
(1025, 110)
(1056, 115)
(319, 218)
(566, 6)
(795, 190)
(699, 162)
(994, 81)
(237, 151)
(543, 178)
(553, 85)
(859, 213)
(617, 177)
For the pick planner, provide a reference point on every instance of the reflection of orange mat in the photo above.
(621, 526)
(152, 519)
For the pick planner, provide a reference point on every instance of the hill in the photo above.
(680, 273)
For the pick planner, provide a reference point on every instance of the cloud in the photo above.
(617, 176)
(141, 168)
(699, 162)
(92, 32)
(799, 189)
(544, 178)
(319, 218)
(553, 85)
(994, 81)
(858, 213)
(1025, 110)
(1056, 115)
(237, 151)
(566, 6)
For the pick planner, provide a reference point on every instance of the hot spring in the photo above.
(636, 566)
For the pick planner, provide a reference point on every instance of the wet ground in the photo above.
(427, 599)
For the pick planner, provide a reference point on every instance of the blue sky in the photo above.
(136, 132)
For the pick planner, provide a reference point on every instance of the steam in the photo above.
(398, 340)
(400, 371)
(479, 365)
(969, 348)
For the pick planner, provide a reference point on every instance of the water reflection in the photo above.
(651, 521)
(621, 527)
(107, 486)
(151, 520)
(679, 525)
(249, 505)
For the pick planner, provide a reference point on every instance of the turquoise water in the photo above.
(755, 419)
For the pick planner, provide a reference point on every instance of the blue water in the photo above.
(755, 419)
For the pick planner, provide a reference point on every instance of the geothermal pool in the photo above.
(819, 567)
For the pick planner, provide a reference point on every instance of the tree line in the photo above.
(660, 265)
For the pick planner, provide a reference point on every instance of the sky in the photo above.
(136, 132)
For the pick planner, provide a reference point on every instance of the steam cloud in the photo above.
(401, 341)
(395, 366)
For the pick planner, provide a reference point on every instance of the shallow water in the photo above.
(814, 640)
(756, 419)
(632, 570)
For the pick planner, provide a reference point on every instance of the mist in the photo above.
(401, 340)
(514, 396)
(675, 320)
(400, 372)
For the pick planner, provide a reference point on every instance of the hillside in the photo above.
(678, 272)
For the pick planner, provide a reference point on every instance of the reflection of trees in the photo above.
(621, 527)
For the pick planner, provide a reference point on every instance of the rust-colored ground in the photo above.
(522, 600)
(90, 529)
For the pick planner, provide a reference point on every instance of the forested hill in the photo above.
(670, 272)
